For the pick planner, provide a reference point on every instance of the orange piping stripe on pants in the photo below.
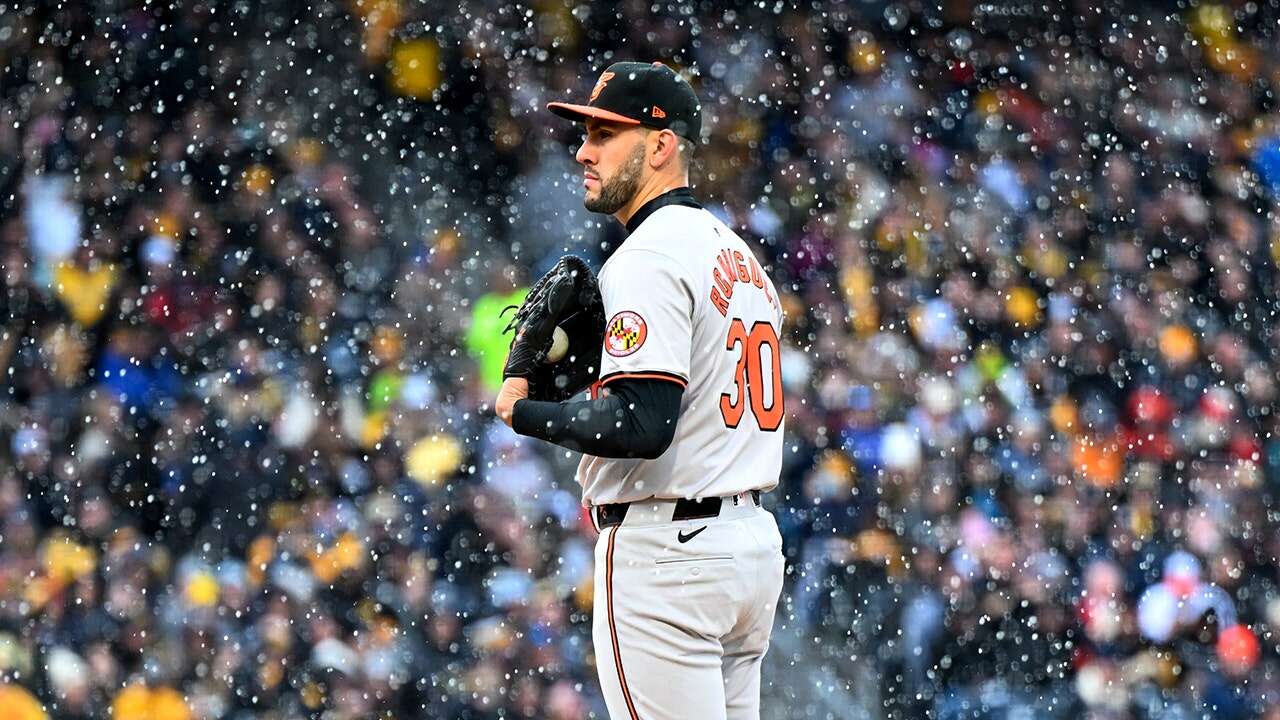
(613, 630)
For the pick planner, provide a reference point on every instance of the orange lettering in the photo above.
(726, 264)
(733, 266)
(725, 286)
(743, 275)
(757, 275)
(718, 300)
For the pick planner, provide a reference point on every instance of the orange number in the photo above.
(749, 380)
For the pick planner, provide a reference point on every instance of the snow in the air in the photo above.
(254, 255)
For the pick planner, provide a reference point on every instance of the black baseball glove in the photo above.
(568, 296)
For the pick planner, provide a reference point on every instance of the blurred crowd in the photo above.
(253, 261)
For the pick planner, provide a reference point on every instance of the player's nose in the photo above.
(585, 155)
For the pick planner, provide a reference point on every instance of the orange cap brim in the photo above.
(580, 113)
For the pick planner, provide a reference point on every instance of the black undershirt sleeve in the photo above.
(636, 420)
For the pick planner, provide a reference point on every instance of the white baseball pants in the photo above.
(681, 628)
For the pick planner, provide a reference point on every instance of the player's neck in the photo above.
(655, 186)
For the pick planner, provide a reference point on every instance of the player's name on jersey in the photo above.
(731, 269)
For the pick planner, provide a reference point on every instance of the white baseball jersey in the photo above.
(686, 300)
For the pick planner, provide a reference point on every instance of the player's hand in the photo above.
(513, 389)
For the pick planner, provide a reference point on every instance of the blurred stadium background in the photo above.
(253, 254)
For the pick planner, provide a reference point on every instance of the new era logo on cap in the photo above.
(632, 93)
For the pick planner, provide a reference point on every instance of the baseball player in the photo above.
(685, 428)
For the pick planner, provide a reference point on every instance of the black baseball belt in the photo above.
(686, 509)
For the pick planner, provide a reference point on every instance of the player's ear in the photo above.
(666, 146)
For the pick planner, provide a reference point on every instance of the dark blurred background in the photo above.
(253, 257)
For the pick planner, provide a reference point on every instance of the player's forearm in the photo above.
(636, 420)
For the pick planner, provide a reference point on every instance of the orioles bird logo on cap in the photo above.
(604, 80)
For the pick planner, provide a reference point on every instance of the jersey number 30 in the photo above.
(749, 380)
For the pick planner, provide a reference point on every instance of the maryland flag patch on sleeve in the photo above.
(624, 334)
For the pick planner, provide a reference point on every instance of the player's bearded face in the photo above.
(618, 189)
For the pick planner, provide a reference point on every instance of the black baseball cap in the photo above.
(636, 93)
